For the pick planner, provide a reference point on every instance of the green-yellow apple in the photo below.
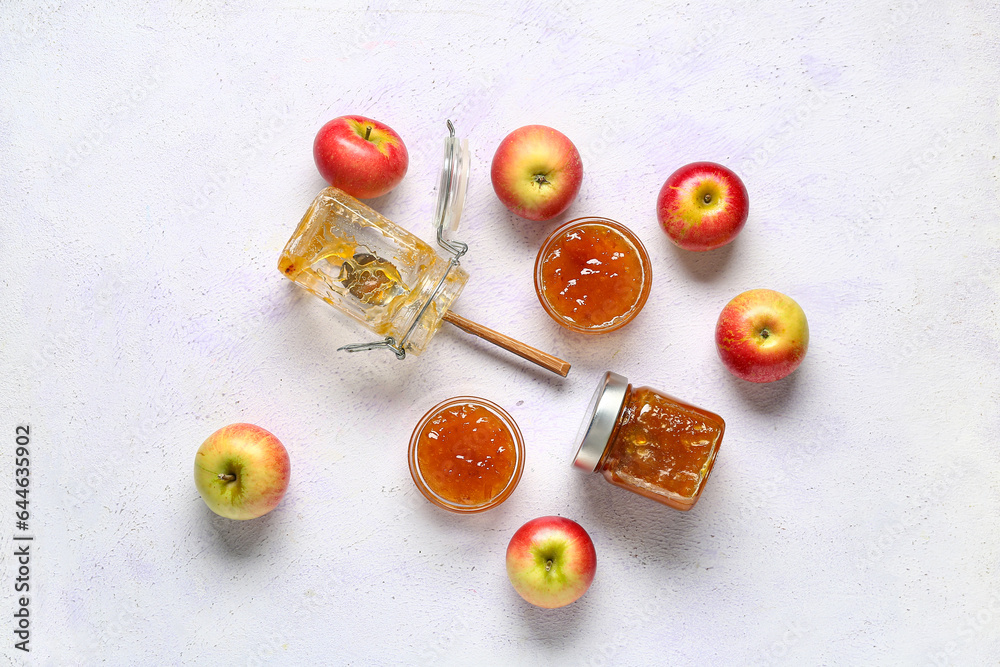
(536, 172)
(762, 335)
(551, 561)
(241, 471)
(361, 156)
(702, 206)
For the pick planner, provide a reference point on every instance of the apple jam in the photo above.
(592, 275)
(466, 455)
(649, 443)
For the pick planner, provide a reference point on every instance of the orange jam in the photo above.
(648, 442)
(663, 449)
(466, 455)
(592, 275)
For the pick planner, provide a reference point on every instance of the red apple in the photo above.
(361, 156)
(536, 172)
(702, 206)
(241, 471)
(762, 335)
(551, 561)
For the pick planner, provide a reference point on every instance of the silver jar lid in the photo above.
(599, 421)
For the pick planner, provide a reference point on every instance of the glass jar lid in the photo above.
(453, 184)
(599, 421)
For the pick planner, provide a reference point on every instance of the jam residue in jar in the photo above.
(650, 443)
(370, 268)
(592, 275)
(466, 455)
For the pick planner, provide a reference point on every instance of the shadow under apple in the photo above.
(553, 628)
(240, 539)
(529, 233)
(767, 397)
(704, 266)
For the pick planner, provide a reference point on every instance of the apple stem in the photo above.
(548, 565)
(368, 132)
(708, 199)
(227, 477)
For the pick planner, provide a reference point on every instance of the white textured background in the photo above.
(154, 160)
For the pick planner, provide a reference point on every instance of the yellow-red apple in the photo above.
(762, 335)
(702, 206)
(536, 172)
(551, 561)
(241, 471)
(361, 156)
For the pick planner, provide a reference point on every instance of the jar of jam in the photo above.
(648, 442)
(466, 455)
(592, 275)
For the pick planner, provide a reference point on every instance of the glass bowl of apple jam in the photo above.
(466, 455)
(592, 275)
(649, 442)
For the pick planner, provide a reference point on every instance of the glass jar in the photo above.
(466, 455)
(649, 442)
(592, 275)
(370, 268)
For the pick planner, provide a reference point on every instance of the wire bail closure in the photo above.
(451, 199)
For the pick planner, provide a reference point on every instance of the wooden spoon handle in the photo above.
(546, 361)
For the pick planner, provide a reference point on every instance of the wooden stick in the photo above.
(546, 361)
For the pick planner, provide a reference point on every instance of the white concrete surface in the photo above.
(156, 159)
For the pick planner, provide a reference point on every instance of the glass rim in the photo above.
(633, 240)
(434, 498)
